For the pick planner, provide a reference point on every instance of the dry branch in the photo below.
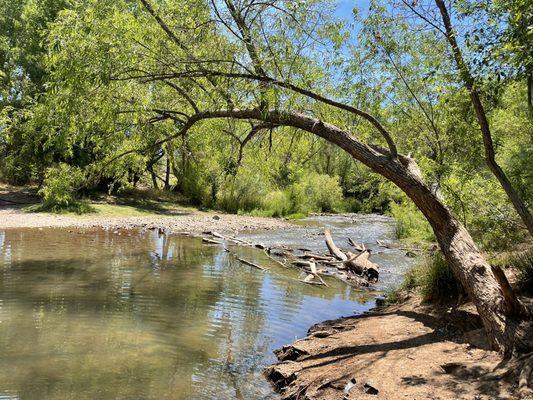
(251, 264)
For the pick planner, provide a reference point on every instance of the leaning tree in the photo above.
(260, 68)
(251, 25)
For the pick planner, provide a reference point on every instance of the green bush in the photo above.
(437, 282)
(434, 279)
(60, 187)
(277, 204)
(410, 223)
(243, 192)
(316, 193)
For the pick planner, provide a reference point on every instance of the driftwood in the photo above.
(210, 241)
(359, 247)
(313, 272)
(332, 247)
(251, 264)
(317, 257)
(370, 269)
(357, 263)
(354, 269)
(381, 244)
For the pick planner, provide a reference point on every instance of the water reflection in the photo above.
(118, 315)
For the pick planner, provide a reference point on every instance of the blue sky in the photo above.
(345, 7)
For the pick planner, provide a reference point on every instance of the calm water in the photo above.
(103, 315)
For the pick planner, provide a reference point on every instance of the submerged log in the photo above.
(210, 241)
(251, 264)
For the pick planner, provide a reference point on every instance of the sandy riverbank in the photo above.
(187, 221)
(139, 211)
(406, 351)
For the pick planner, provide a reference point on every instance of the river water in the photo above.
(131, 315)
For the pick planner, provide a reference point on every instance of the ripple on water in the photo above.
(101, 315)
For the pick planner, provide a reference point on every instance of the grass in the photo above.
(136, 204)
(434, 280)
(522, 262)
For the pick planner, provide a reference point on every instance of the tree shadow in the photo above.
(440, 326)
(17, 197)
(477, 376)
(151, 206)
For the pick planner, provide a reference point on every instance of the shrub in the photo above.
(244, 192)
(410, 223)
(316, 193)
(434, 279)
(277, 204)
(60, 187)
(437, 282)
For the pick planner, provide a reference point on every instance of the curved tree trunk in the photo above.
(469, 266)
(505, 332)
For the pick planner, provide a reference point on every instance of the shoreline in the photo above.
(404, 351)
(409, 350)
(190, 221)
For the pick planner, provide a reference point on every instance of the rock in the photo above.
(351, 383)
(322, 334)
(370, 389)
(289, 353)
(216, 217)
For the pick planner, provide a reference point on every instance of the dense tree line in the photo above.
(244, 104)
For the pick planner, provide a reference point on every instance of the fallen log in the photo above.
(232, 239)
(251, 264)
(317, 257)
(314, 271)
(356, 263)
(332, 247)
(300, 263)
(274, 260)
(210, 241)
(370, 269)
(359, 247)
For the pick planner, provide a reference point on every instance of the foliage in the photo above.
(243, 192)
(433, 278)
(277, 204)
(410, 223)
(316, 193)
(60, 187)
(75, 105)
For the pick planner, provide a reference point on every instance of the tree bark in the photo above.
(490, 156)
(167, 173)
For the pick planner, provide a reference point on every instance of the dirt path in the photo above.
(400, 352)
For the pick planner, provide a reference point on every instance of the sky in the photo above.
(345, 7)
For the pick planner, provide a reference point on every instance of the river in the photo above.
(98, 314)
